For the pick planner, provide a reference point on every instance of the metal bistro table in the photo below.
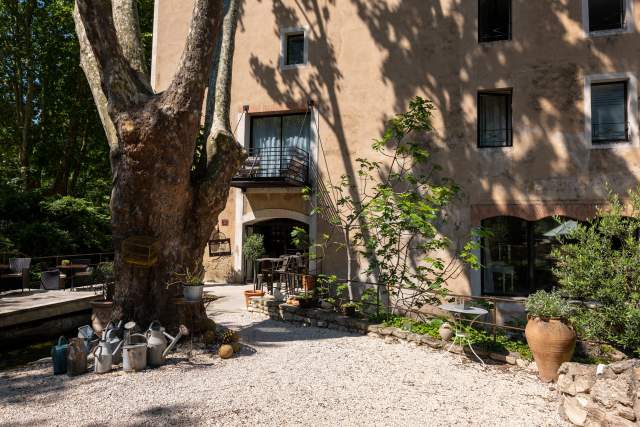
(70, 270)
(458, 310)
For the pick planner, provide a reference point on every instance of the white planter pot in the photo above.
(192, 293)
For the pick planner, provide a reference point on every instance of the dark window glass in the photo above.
(279, 142)
(516, 258)
(295, 49)
(606, 14)
(609, 112)
(494, 20)
(494, 119)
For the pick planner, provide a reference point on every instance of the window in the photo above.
(606, 15)
(494, 20)
(494, 119)
(516, 257)
(609, 112)
(295, 49)
(280, 143)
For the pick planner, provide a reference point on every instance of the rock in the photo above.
(374, 328)
(616, 421)
(385, 331)
(624, 365)
(413, 344)
(373, 335)
(322, 324)
(573, 410)
(532, 368)
(609, 392)
(399, 333)
(625, 412)
(431, 342)
(521, 363)
(511, 360)
(576, 378)
(390, 340)
(498, 357)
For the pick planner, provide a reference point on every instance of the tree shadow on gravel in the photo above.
(270, 333)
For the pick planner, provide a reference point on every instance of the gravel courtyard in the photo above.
(285, 375)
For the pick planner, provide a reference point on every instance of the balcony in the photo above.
(273, 167)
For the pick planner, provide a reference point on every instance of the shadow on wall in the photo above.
(544, 66)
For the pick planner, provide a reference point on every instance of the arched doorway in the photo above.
(277, 235)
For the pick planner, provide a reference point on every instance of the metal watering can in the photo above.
(104, 355)
(59, 356)
(86, 333)
(134, 355)
(112, 337)
(157, 348)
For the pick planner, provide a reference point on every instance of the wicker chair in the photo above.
(50, 280)
(19, 269)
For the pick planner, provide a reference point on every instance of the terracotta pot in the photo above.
(100, 315)
(445, 331)
(308, 282)
(552, 343)
(249, 294)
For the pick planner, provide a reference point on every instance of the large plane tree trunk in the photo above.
(157, 191)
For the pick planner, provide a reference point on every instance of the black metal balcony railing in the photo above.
(277, 166)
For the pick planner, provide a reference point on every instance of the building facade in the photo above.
(537, 114)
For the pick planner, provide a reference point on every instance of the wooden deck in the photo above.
(17, 309)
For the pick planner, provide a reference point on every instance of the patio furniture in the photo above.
(70, 271)
(50, 280)
(19, 269)
(267, 268)
(84, 275)
(458, 311)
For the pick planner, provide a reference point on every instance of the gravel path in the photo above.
(285, 375)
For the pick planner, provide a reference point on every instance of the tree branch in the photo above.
(120, 82)
(186, 92)
(127, 25)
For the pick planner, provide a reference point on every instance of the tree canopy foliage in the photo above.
(55, 177)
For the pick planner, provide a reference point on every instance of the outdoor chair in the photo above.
(83, 276)
(50, 280)
(19, 269)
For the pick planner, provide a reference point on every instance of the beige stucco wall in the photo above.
(367, 59)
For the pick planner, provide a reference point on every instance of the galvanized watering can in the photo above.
(134, 355)
(86, 333)
(103, 356)
(157, 348)
(59, 356)
(111, 336)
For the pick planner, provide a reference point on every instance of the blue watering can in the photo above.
(59, 356)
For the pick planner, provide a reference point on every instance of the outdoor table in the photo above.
(70, 270)
(458, 311)
(270, 269)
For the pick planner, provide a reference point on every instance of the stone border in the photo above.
(330, 319)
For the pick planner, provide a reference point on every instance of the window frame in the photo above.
(628, 26)
(626, 114)
(632, 125)
(530, 240)
(490, 39)
(508, 94)
(285, 33)
(280, 116)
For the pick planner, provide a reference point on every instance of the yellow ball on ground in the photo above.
(225, 352)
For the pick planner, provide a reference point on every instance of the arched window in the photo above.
(516, 257)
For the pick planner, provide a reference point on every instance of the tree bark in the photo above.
(153, 138)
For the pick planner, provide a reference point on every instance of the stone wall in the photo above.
(602, 395)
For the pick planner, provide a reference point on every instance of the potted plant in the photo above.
(349, 308)
(101, 310)
(306, 300)
(252, 249)
(192, 282)
(550, 336)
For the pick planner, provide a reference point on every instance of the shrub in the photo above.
(253, 247)
(600, 261)
(548, 304)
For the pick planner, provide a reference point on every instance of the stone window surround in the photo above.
(632, 108)
(629, 24)
(284, 32)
